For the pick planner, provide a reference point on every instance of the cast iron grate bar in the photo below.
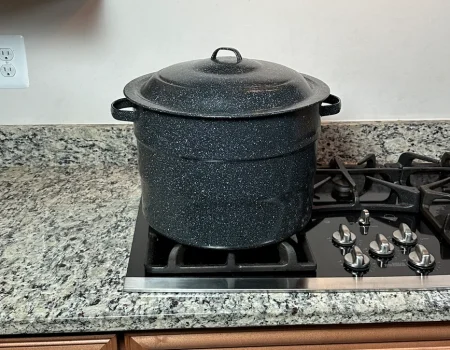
(401, 198)
(430, 197)
(294, 255)
(406, 159)
(445, 159)
(370, 161)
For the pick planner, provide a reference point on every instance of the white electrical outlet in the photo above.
(8, 70)
(6, 54)
(13, 62)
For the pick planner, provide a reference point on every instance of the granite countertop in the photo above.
(65, 237)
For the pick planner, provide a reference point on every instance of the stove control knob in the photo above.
(421, 258)
(404, 235)
(381, 246)
(356, 260)
(364, 218)
(344, 237)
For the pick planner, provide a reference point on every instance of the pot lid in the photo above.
(226, 87)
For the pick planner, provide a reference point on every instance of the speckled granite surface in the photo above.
(387, 140)
(115, 144)
(66, 232)
(65, 236)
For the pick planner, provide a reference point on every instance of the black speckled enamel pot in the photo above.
(227, 149)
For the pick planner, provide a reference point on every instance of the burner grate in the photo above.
(292, 255)
(350, 182)
(436, 206)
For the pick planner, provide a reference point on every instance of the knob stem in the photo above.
(421, 258)
(344, 237)
(357, 256)
(423, 254)
(364, 218)
(404, 235)
(356, 260)
(381, 246)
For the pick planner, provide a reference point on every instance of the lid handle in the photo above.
(236, 52)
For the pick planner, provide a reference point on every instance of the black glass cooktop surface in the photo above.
(322, 257)
(372, 228)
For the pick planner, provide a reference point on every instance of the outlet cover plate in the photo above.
(18, 61)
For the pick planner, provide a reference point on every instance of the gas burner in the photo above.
(342, 191)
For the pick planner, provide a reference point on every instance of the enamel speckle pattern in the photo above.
(65, 236)
(228, 170)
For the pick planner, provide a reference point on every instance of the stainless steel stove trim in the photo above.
(280, 285)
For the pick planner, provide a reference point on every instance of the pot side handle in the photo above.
(124, 115)
(332, 106)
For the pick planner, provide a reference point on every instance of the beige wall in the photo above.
(386, 59)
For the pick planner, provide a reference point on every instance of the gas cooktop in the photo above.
(373, 228)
